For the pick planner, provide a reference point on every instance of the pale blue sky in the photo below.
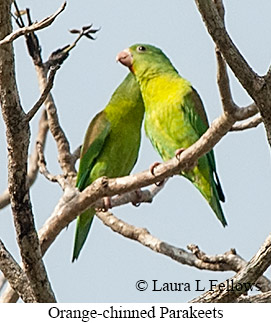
(109, 264)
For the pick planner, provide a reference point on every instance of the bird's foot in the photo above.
(151, 168)
(136, 201)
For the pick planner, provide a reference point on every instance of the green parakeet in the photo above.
(174, 116)
(110, 146)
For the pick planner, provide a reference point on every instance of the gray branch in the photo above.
(18, 135)
(248, 275)
(34, 27)
(252, 123)
(258, 87)
(33, 160)
(15, 275)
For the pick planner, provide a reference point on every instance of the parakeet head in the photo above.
(145, 60)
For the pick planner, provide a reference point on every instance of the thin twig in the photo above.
(42, 164)
(253, 123)
(45, 92)
(60, 179)
(223, 81)
(34, 27)
(224, 85)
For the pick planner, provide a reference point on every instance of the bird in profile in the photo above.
(174, 117)
(110, 147)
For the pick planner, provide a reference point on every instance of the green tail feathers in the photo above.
(219, 188)
(218, 196)
(215, 204)
(83, 225)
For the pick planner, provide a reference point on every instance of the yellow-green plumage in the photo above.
(110, 146)
(175, 117)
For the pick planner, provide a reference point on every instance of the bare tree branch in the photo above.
(259, 88)
(143, 236)
(223, 82)
(224, 85)
(41, 138)
(34, 27)
(144, 196)
(229, 261)
(33, 160)
(253, 123)
(67, 160)
(221, 10)
(248, 275)
(18, 142)
(246, 112)
(64, 156)
(42, 164)
(45, 92)
(15, 275)
(235, 60)
(59, 56)
(222, 76)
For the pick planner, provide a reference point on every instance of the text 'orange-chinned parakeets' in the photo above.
(174, 116)
(110, 146)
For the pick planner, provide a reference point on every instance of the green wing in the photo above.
(193, 106)
(110, 146)
(94, 141)
(96, 135)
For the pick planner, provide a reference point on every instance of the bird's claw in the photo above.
(151, 168)
(178, 152)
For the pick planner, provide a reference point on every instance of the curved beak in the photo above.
(125, 57)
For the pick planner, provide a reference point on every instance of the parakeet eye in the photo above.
(141, 48)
